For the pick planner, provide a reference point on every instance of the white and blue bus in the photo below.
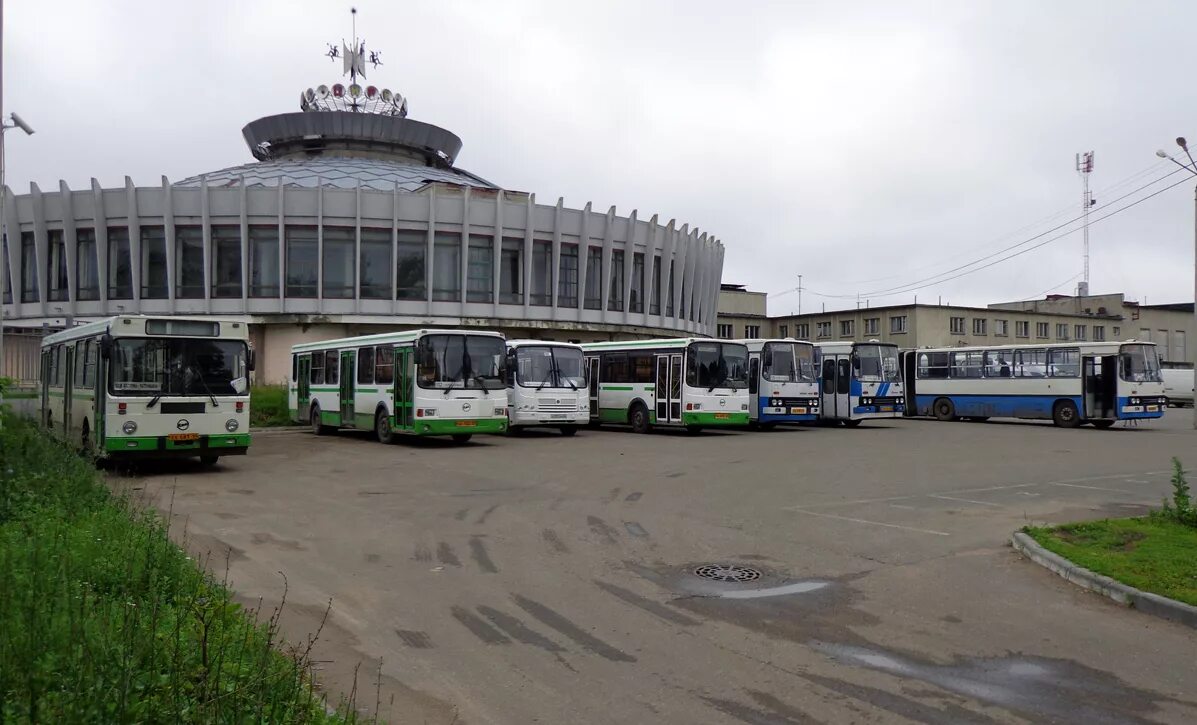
(782, 384)
(859, 381)
(1098, 382)
(546, 386)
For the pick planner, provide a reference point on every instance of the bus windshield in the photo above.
(1140, 364)
(713, 365)
(461, 361)
(548, 365)
(787, 362)
(157, 366)
(877, 363)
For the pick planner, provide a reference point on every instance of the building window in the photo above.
(897, 324)
(446, 267)
(1099, 333)
(1042, 330)
(302, 270)
(872, 326)
(226, 261)
(654, 305)
(752, 332)
(57, 267)
(338, 262)
(480, 271)
(1062, 331)
(1022, 328)
(724, 332)
(120, 266)
(824, 329)
(847, 328)
(511, 271)
(410, 271)
(956, 326)
(263, 261)
(87, 278)
(542, 273)
(615, 294)
(153, 264)
(783, 331)
(7, 272)
(636, 300)
(669, 299)
(374, 275)
(802, 331)
(979, 325)
(567, 277)
(1080, 332)
(594, 278)
(189, 262)
(1001, 328)
(1117, 332)
(28, 268)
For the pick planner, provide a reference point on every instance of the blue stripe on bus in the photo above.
(1017, 406)
(883, 390)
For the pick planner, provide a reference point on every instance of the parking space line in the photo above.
(874, 523)
(1095, 488)
(967, 500)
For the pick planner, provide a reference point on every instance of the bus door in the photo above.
(1100, 384)
(836, 384)
(403, 388)
(592, 364)
(668, 389)
(347, 380)
(675, 387)
(45, 409)
(909, 368)
(754, 385)
(303, 384)
(100, 402)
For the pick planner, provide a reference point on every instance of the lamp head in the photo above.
(1180, 141)
(1163, 154)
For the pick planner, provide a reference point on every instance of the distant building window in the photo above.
(669, 296)
(226, 261)
(567, 276)
(956, 326)
(615, 293)
(480, 271)
(847, 328)
(87, 275)
(783, 331)
(979, 325)
(802, 331)
(56, 266)
(1001, 328)
(263, 261)
(1022, 328)
(724, 332)
(120, 266)
(1099, 333)
(1080, 332)
(1042, 330)
(752, 332)
(411, 266)
(1062, 331)
(153, 264)
(302, 269)
(446, 267)
(1117, 332)
(824, 329)
(29, 278)
(636, 301)
(897, 324)
(189, 262)
(511, 272)
(374, 273)
(654, 306)
(594, 280)
(872, 326)
(542, 273)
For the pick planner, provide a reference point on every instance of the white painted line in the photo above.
(1097, 488)
(795, 588)
(903, 506)
(874, 523)
(967, 500)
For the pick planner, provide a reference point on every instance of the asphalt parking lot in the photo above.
(550, 579)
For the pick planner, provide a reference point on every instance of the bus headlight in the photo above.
(231, 425)
(130, 427)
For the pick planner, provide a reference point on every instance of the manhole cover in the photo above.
(727, 573)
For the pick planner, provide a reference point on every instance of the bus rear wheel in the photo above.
(693, 429)
(639, 418)
(208, 461)
(382, 428)
(314, 417)
(1103, 424)
(569, 430)
(1065, 414)
(944, 409)
(461, 437)
(851, 423)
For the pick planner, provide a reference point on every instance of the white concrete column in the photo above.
(608, 246)
(555, 277)
(41, 247)
(497, 250)
(243, 204)
(529, 231)
(583, 256)
(99, 222)
(465, 249)
(134, 226)
(629, 253)
(168, 231)
(206, 241)
(67, 205)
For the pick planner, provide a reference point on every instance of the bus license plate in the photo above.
(466, 423)
(558, 416)
(722, 416)
(182, 437)
(797, 411)
(1153, 408)
(887, 409)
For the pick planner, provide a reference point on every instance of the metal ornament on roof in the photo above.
(354, 97)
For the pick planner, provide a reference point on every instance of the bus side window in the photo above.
(511, 364)
(384, 366)
(294, 367)
(317, 372)
(365, 365)
(332, 361)
(829, 376)
(754, 372)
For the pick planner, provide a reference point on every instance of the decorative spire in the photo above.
(354, 98)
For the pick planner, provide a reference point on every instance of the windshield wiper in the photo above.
(205, 384)
(481, 383)
(153, 401)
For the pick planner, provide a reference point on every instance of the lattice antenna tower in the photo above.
(1084, 167)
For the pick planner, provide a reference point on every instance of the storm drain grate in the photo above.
(727, 573)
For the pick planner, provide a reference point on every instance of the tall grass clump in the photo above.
(104, 619)
(1180, 509)
(268, 406)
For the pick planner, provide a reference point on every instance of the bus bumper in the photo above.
(228, 444)
(454, 426)
(715, 419)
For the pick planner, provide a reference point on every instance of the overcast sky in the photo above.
(866, 146)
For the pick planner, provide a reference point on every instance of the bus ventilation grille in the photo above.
(727, 573)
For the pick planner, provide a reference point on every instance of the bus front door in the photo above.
(835, 386)
(403, 388)
(1099, 383)
(346, 392)
(592, 364)
(675, 387)
(303, 385)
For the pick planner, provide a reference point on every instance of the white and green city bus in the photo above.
(145, 387)
(689, 382)
(546, 385)
(421, 382)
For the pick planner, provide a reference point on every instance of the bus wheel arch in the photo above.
(943, 409)
(314, 418)
(638, 417)
(1065, 414)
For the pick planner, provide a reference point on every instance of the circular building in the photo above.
(352, 220)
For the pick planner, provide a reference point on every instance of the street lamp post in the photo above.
(1190, 342)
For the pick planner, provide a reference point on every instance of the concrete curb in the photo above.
(279, 430)
(1129, 596)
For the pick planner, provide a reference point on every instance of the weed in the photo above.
(1180, 509)
(268, 406)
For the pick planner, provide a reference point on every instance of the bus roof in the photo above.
(667, 343)
(756, 344)
(385, 337)
(230, 327)
(849, 344)
(543, 343)
(1109, 345)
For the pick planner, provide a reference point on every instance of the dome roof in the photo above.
(339, 172)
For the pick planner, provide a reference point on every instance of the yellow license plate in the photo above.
(183, 437)
(887, 409)
(466, 424)
(722, 416)
(1153, 408)
(797, 411)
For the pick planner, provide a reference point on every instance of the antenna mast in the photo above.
(1084, 167)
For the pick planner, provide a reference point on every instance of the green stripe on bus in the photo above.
(449, 426)
(616, 387)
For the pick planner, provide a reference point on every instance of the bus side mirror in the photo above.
(855, 361)
(251, 360)
(106, 346)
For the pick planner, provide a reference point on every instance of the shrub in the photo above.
(268, 406)
(1180, 509)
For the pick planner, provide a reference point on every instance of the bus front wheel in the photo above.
(1103, 424)
(208, 461)
(461, 437)
(1065, 414)
(382, 427)
(569, 430)
(944, 409)
(639, 418)
(851, 423)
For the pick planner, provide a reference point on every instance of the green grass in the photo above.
(1152, 553)
(104, 619)
(268, 406)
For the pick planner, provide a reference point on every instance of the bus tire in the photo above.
(461, 437)
(1103, 424)
(943, 409)
(208, 461)
(85, 438)
(693, 429)
(382, 427)
(569, 430)
(314, 418)
(767, 426)
(1064, 414)
(979, 418)
(638, 418)
(851, 423)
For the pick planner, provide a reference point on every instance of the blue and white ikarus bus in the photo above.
(1069, 384)
(782, 384)
(859, 381)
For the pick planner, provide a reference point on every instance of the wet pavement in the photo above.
(793, 576)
